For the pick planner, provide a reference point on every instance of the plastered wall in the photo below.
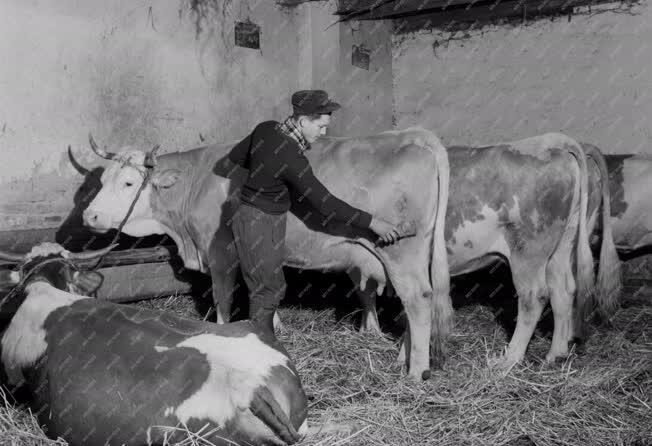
(364, 93)
(132, 73)
(588, 76)
(142, 73)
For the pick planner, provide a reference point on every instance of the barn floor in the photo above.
(359, 395)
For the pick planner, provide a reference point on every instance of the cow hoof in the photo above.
(577, 345)
(371, 329)
(551, 359)
(557, 358)
(419, 376)
(401, 354)
(304, 428)
(503, 363)
(278, 325)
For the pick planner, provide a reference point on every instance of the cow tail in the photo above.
(584, 257)
(442, 307)
(609, 280)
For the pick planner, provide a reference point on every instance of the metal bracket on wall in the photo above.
(247, 35)
(360, 57)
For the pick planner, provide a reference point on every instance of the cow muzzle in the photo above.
(97, 221)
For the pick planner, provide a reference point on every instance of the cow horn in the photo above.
(11, 256)
(87, 255)
(150, 157)
(99, 152)
(78, 167)
(153, 154)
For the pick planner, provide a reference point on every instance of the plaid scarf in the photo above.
(290, 129)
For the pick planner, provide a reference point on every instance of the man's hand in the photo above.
(387, 232)
(47, 248)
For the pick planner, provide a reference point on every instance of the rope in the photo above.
(149, 163)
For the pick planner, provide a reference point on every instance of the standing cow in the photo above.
(101, 373)
(629, 179)
(191, 197)
(525, 202)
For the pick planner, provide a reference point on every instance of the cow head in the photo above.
(48, 263)
(122, 186)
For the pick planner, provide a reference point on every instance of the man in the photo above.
(274, 155)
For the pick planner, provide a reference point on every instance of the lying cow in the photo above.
(191, 196)
(525, 202)
(102, 373)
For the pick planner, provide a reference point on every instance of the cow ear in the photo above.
(9, 277)
(87, 282)
(166, 179)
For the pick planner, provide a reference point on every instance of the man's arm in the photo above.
(239, 152)
(298, 174)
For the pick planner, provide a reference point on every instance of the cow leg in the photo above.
(530, 286)
(562, 289)
(417, 302)
(224, 267)
(401, 358)
(368, 276)
(276, 321)
(369, 321)
(417, 339)
(223, 287)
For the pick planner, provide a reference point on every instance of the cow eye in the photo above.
(129, 184)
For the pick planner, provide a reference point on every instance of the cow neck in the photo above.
(24, 340)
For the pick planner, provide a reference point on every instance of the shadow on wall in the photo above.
(208, 11)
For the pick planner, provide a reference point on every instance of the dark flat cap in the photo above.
(313, 102)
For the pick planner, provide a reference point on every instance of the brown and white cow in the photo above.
(525, 202)
(100, 373)
(629, 178)
(192, 194)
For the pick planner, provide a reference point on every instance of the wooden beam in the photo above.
(351, 6)
(464, 9)
(483, 12)
(400, 9)
(295, 2)
(129, 283)
(75, 238)
(127, 257)
(143, 281)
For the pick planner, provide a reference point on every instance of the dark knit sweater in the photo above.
(276, 163)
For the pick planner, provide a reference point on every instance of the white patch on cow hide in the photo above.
(515, 211)
(536, 218)
(539, 145)
(143, 227)
(14, 276)
(160, 349)
(476, 239)
(24, 341)
(237, 367)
